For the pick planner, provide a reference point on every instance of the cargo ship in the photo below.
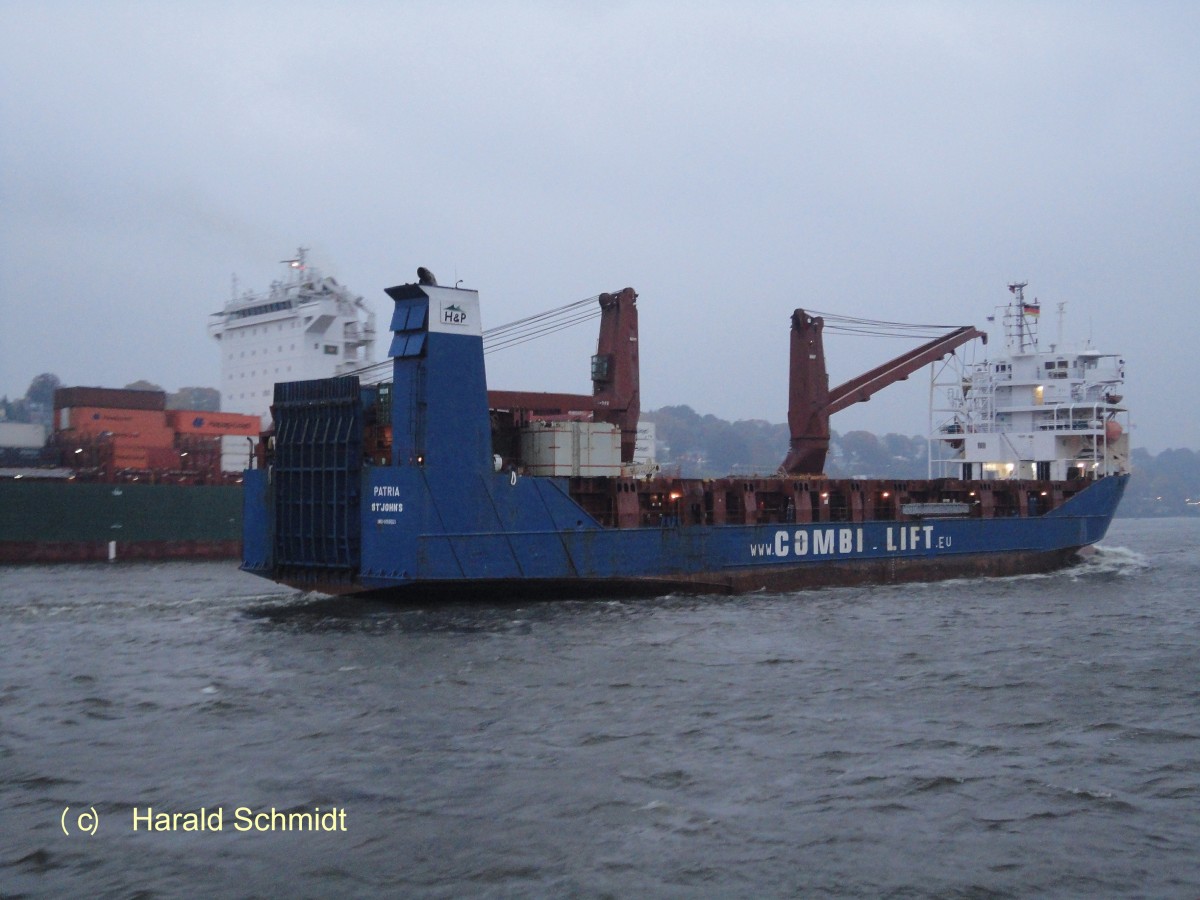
(430, 484)
(123, 477)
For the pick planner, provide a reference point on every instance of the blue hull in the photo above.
(421, 532)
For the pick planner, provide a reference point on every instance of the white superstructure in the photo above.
(1029, 413)
(304, 327)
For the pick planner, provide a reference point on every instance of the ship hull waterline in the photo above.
(777, 579)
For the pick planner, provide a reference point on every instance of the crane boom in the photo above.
(811, 401)
(861, 388)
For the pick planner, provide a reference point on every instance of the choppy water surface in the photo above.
(984, 738)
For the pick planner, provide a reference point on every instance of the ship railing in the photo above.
(1003, 427)
(1068, 426)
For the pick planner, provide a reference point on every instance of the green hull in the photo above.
(47, 521)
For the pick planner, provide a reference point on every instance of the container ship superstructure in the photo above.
(306, 325)
(429, 483)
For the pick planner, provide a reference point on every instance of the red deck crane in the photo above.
(811, 401)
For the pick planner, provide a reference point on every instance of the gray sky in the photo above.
(730, 161)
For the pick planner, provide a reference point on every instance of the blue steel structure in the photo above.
(436, 515)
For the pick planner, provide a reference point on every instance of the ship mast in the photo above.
(1018, 289)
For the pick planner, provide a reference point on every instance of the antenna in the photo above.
(297, 261)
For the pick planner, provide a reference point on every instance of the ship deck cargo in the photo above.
(431, 483)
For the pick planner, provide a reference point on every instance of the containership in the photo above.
(429, 483)
(123, 477)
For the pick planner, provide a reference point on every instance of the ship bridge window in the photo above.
(259, 310)
(331, 349)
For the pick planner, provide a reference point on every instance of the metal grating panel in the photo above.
(317, 469)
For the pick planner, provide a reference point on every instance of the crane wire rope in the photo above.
(539, 325)
(838, 324)
(511, 334)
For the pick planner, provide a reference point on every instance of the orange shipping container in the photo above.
(150, 437)
(198, 443)
(130, 459)
(213, 423)
(155, 437)
(93, 420)
(164, 458)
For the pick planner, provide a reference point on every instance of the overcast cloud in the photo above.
(729, 161)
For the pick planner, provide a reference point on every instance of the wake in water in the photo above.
(1111, 562)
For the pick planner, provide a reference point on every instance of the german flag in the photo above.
(1031, 309)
